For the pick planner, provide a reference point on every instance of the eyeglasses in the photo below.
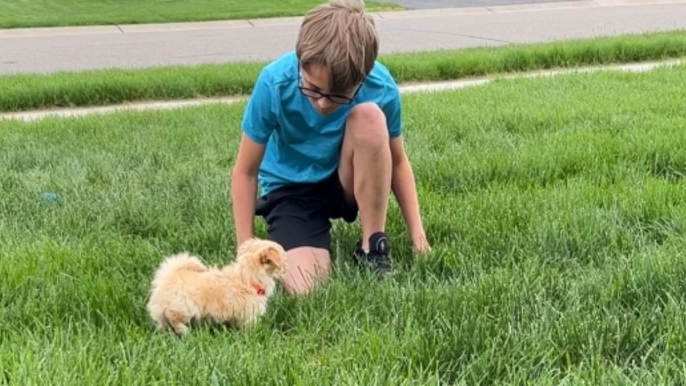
(335, 98)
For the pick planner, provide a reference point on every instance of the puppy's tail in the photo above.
(180, 262)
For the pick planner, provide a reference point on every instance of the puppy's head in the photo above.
(264, 256)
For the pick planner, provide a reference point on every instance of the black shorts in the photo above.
(300, 215)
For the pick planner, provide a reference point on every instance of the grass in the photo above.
(555, 207)
(101, 87)
(58, 13)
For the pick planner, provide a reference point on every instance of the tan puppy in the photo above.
(184, 289)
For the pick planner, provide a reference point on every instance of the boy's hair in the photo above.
(343, 38)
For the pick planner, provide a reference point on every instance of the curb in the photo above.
(270, 22)
(406, 88)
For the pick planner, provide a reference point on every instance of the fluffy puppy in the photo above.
(184, 289)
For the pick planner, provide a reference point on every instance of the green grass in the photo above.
(34, 91)
(555, 206)
(53, 13)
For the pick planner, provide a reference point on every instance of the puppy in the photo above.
(184, 289)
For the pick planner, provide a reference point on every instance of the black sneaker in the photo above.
(379, 257)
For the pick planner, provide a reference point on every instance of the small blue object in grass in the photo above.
(50, 197)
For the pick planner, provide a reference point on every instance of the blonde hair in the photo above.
(341, 37)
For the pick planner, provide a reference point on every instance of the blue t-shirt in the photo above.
(303, 146)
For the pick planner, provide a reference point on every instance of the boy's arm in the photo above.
(404, 189)
(402, 181)
(244, 187)
(259, 121)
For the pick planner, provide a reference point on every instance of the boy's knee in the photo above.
(307, 268)
(367, 124)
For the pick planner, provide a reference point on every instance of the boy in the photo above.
(322, 136)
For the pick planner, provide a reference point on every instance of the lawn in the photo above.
(48, 13)
(555, 206)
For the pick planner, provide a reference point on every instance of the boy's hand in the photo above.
(419, 243)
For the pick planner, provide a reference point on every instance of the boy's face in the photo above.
(315, 81)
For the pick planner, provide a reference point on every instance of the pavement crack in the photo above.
(455, 34)
(119, 28)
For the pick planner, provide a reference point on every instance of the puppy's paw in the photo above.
(177, 321)
(180, 329)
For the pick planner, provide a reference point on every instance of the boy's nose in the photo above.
(324, 103)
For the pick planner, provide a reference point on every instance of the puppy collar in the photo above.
(260, 290)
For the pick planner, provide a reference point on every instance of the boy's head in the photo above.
(337, 46)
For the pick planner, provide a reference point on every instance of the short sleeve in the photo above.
(393, 111)
(259, 119)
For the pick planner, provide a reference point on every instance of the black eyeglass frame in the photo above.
(315, 94)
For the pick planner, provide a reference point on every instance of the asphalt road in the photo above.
(50, 50)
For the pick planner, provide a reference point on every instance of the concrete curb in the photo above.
(407, 88)
(269, 22)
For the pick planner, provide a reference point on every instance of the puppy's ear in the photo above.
(269, 256)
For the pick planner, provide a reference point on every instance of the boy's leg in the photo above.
(297, 218)
(365, 171)
(307, 267)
